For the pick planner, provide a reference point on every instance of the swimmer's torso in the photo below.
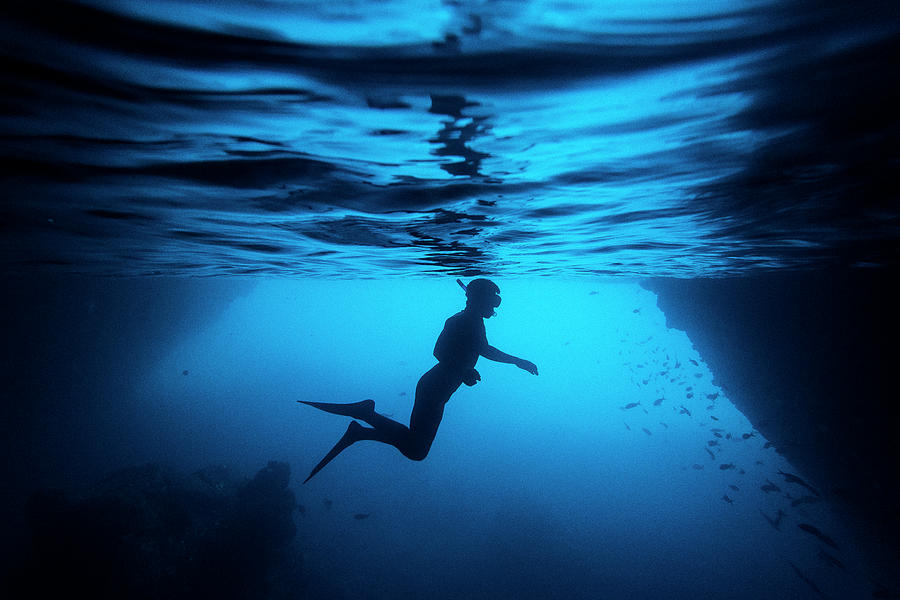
(461, 342)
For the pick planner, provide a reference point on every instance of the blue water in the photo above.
(296, 184)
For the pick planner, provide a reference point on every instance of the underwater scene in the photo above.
(450, 299)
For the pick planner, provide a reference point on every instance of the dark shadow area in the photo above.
(73, 349)
(149, 532)
(810, 358)
(827, 96)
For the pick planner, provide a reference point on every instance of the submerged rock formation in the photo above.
(810, 358)
(149, 532)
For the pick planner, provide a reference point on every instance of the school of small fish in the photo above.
(695, 386)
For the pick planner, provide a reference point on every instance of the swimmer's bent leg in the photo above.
(413, 447)
(413, 442)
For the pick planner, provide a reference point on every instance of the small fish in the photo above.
(647, 431)
(727, 499)
(770, 487)
(658, 401)
(759, 462)
(712, 443)
(717, 434)
(690, 395)
(630, 405)
(626, 426)
(767, 445)
(714, 417)
(747, 436)
(712, 396)
(710, 407)
(361, 516)
(804, 500)
(677, 364)
(726, 466)
(734, 487)
(696, 467)
(185, 372)
(831, 560)
(806, 580)
(401, 394)
(694, 362)
(794, 479)
(594, 293)
(814, 531)
(776, 522)
(883, 592)
(711, 455)
(636, 311)
(684, 411)
(663, 424)
(698, 375)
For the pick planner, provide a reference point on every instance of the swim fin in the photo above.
(350, 436)
(356, 410)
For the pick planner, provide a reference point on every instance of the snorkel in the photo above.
(482, 292)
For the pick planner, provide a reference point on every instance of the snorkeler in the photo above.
(457, 349)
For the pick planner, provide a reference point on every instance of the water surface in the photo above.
(373, 139)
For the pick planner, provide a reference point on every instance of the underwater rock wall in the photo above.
(810, 358)
(72, 345)
(150, 532)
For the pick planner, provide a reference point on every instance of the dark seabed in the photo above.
(211, 210)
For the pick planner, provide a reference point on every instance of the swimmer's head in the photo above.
(482, 295)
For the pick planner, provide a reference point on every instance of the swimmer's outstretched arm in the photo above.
(491, 353)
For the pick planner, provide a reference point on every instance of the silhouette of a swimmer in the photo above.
(457, 349)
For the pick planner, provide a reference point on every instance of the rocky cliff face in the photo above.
(151, 532)
(811, 359)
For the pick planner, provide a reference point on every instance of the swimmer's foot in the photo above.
(358, 410)
(350, 436)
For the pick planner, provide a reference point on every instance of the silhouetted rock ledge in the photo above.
(150, 532)
(810, 358)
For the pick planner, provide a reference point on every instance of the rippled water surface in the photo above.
(405, 138)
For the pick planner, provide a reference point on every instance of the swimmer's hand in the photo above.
(471, 377)
(527, 365)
